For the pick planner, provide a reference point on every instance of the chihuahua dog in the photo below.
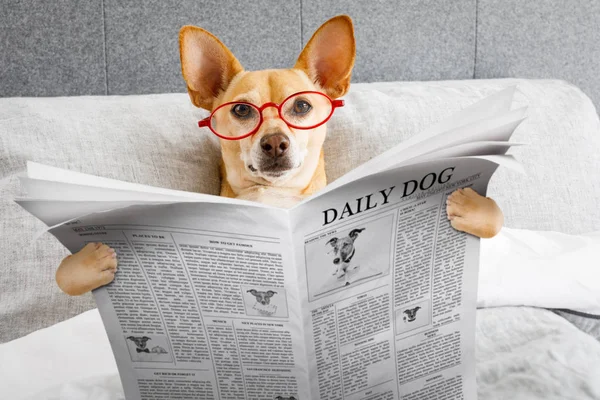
(272, 127)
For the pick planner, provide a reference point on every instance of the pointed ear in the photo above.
(329, 56)
(207, 65)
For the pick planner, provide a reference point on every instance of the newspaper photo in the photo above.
(363, 291)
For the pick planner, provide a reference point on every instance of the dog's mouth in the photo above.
(274, 169)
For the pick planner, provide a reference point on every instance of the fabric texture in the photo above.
(588, 323)
(142, 38)
(525, 353)
(540, 39)
(154, 140)
(405, 41)
(51, 48)
(513, 259)
(116, 47)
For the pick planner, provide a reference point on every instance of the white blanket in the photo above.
(526, 353)
(522, 352)
(540, 269)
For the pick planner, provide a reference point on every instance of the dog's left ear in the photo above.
(329, 56)
(208, 66)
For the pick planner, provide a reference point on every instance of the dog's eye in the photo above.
(301, 107)
(242, 111)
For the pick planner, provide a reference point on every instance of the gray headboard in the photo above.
(100, 47)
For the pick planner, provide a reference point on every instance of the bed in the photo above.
(538, 326)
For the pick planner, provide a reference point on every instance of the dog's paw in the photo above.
(472, 213)
(93, 266)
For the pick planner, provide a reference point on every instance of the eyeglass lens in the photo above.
(303, 110)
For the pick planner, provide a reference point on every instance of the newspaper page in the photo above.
(388, 287)
(205, 301)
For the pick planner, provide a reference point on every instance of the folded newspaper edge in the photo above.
(363, 291)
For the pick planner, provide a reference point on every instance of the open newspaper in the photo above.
(363, 291)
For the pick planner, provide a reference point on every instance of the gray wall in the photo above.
(100, 47)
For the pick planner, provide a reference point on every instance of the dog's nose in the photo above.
(275, 144)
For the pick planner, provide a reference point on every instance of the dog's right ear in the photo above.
(329, 56)
(208, 66)
(253, 292)
(354, 233)
(332, 241)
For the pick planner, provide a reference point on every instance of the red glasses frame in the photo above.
(206, 121)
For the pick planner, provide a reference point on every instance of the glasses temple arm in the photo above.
(337, 103)
(205, 122)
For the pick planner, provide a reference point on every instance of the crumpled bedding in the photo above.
(529, 353)
(523, 351)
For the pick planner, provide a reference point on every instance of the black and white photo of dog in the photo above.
(149, 348)
(412, 316)
(411, 313)
(140, 343)
(263, 298)
(343, 250)
(353, 254)
(285, 398)
(265, 301)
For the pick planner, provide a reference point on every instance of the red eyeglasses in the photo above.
(303, 110)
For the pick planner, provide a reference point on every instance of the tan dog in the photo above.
(275, 163)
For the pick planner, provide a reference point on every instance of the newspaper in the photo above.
(363, 291)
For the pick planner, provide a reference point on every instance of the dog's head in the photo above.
(337, 244)
(140, 342)
(276, 154)
(263, 298)
(411, 313)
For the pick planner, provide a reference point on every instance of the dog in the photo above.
(411, 313)
(343, 250)
(271, 125)
(263, 298)
(140, 343)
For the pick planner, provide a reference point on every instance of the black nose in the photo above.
(275, 144)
